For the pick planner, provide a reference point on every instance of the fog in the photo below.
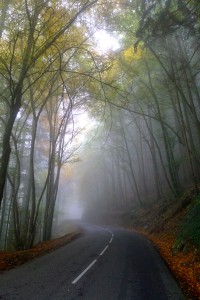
(100, 114)
(125, 166)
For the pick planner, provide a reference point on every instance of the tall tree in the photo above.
(26, 43)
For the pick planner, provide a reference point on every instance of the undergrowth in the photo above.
(189, 231)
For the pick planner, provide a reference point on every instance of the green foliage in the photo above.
(190, 228)
(159, 18)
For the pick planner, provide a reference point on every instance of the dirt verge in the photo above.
(9, 260)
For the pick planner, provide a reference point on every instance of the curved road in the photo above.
(103, 264)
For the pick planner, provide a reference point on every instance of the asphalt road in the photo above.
(103, 264)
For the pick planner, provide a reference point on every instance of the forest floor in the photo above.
(160, 223)
(11, 259)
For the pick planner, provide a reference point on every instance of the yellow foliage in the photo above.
(113, 71)
(131, 55)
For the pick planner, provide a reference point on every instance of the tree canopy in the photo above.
(142, 100)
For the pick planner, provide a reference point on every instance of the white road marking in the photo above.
(104, 250)
(94, 261)
(79, 277)
(105, 229)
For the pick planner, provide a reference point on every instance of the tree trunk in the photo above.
(6, 147)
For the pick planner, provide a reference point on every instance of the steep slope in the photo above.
(174, 228)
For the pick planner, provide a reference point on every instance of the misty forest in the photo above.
(99, 110)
